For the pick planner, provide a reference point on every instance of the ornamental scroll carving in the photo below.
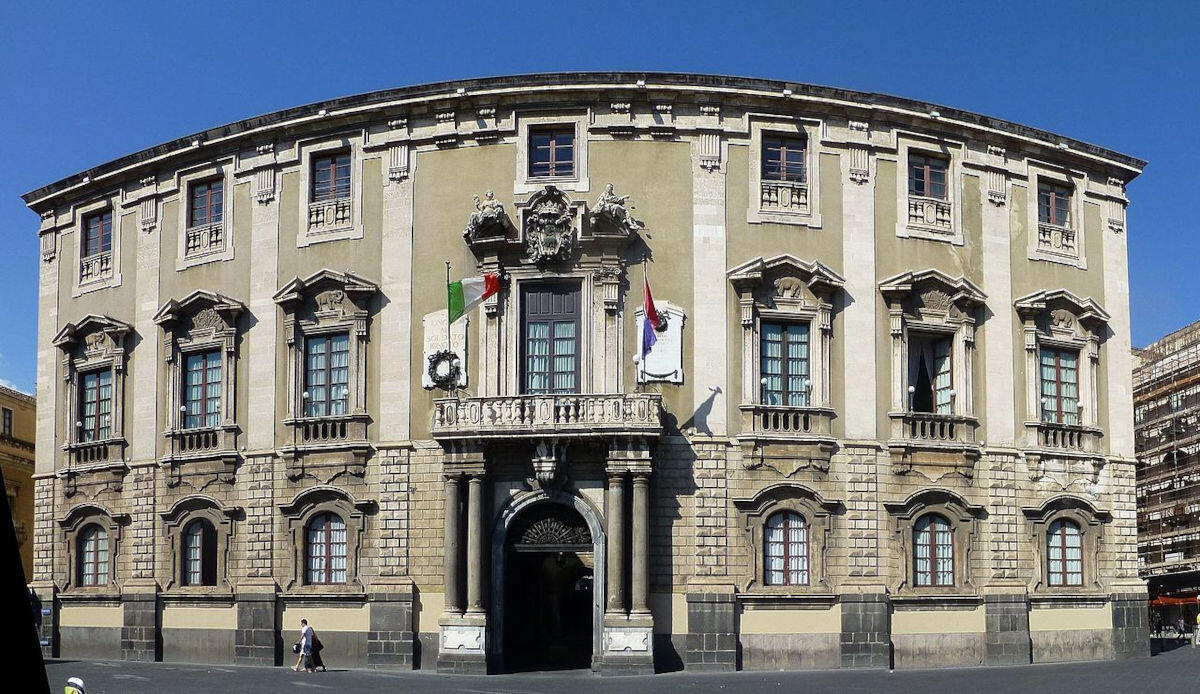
(553, 531)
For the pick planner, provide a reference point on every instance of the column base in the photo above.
(627, 645)
(462, 644)
(254, 643)
(390, 639)
(712, 637)
(866, 639)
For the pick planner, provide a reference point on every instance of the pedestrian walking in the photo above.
(304, 647)
(1181, 627)
(317, 647)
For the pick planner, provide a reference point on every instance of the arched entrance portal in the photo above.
(549, 593)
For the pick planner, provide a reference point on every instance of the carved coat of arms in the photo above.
(549, 233)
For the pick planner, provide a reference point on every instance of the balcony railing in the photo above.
(1053, 238)
(328, 215)
(204, 239)
(779, 421)
(95, 267)
(82, 453)
(201, 442)
(535, 415)
(1067, 437)
(933, 429)
(785, 196)
(333, 430)
(929, 213)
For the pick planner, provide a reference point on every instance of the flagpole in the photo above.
(449, 344)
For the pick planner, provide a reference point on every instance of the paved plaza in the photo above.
(1173, 671)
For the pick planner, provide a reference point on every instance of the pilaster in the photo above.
(260, 338)
(395, 316)
(143, 423)
(710, 322)
(859, 312)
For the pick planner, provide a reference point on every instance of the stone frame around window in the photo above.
(1091, 522)
(818, 513)
(297, 514)
(810, 129)
(71, 523)
(1077, 182)
(94, 343)
(523, 183)
(961, 516)
(224, 170)
(953, 152)
(79, 213)
(175, 519)
(306, 149)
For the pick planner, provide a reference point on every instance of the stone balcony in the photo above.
(1053, 238)
(784, 196)
(933, 214)
(786, 438)
(204, 239)
(563, 416)
(329, 215)
(331, 443)
(93, 465)
(203, 451)
(96, 267)
(934, 443)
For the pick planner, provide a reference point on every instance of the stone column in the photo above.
(453, 533)
(640, 579)
(475, 544)
(616, 542)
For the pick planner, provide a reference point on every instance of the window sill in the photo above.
(216, 595)
(108, 595)
(788, 597)
(347, 592)
(950, 597)
(1081, 597)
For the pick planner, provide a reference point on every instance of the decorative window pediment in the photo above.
(221, 518)
(94, 347)
(780, 297)
(1082, 544)
(1060, 326)
(961, 517)
(331, 309)
(818, 515)
(314, 502)
(933, 319)
(73, 523)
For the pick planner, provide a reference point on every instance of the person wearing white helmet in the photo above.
(74, 686)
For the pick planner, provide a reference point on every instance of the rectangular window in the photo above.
(1054, 204)
(204, 206)
(97, 233)
(327, 375)
(930, 373)
(1060, 386)
(202, 390)
(783, 364)
(6, 427)
(927, 176)
(95, 405)
(551, 344)
(783, 159)
(551, 152)
(330, 177)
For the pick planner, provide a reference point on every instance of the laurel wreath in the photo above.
(446, 380)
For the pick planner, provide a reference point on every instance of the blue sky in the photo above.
(83, 83)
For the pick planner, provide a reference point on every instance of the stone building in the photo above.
(17, 422)
(1166, 397)
(886, 418)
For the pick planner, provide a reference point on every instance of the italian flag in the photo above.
(466, 294)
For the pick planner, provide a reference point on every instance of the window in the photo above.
(327, 375)
(785, 550)
(95, 405)
(551, 152)
(927, 176)
(205, 204)
(202, 390)
(1064, 554)
(325, 549)
(930, 374)
(1060, 386)
(97, 233)
(783, 159)
(933, 551)
(1054, 204)
(551, 344)
(783, 364)
(7, 425)
(199, 554)
(330, 177)
(93, 556)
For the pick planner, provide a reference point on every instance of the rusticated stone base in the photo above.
(1131, 628)
(712, 632)
(390, 640)
(866, 631)
(255, 641)
(1007, 638)
(139, 632)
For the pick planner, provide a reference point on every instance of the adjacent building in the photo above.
(883, 418)
(1166, 381)
(17, 422)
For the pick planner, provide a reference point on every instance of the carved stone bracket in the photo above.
(549, 469)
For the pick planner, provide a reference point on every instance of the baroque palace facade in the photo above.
(887, 420)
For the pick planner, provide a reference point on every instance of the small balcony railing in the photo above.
(95, 267)
(330, 430)
(1067, 437)
(929, 213)
(933, 429)
(1053, 238)
(567, 415)
(204, 239)
(329, 215)
(82, 453)
(780, 421)
(785, 196)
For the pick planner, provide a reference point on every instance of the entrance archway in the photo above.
(548, 584)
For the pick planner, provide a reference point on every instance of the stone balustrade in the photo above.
(93, 452)
(564, 415)
(1067, 437)
(933, 429)
(95, 267)
(929, 213)
(204, 239)
(329, 215)
(785, 196)
(1053, 238)
(780, 421)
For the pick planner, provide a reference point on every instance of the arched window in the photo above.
(1064, 554)
(325, 549)
(785, 550)
(199, 554)
(933, 551)
(93, 556)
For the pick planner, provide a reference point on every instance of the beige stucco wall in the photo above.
(91, 616)
(214, 617)
(1069, 618)
(970, 621)
(326, 618)
(759, 620)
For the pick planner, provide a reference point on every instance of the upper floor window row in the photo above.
(783, 158)
(552, 152)
(97, 233)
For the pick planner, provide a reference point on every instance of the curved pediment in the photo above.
(940, 497)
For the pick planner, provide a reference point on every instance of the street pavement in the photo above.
(1173, 671)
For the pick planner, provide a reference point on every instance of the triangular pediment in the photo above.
(959, 290)
(91, 323)
(298, 288)
(1086, 310)
(815, 274)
